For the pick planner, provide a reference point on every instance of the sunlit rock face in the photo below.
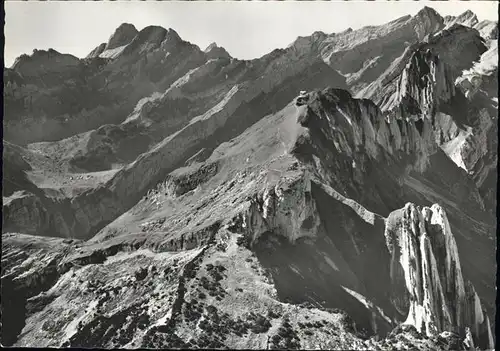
(438, 80)
(425, 261)
(357, 126)
(467, 18)
(214, 51)
(423, 77)
(287, 209)
(122, 36)
(424, 81)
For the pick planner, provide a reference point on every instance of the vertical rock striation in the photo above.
(357, 126)
(424, 82)
(287, 209)
(425, 260)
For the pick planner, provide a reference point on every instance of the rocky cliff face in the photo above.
(430, 86)
(425, 260)
(356, 128)
(468, 18)
(215, 208)
(424, 82)
(286, 210)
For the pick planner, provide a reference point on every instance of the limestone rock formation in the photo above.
(468, 18)
(335, 194)
(214, 51)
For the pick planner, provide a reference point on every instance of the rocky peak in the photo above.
(151, 32)
(427, 21)
(424, 81)
(211, 46)
(353, 125)
(172, 35)
(152, 37)
(123, 35)
(36, 54)
(429, 13)
(448, 19)
(423, 77)
(425, 261)
(214, 51)
(468, 18)
(468, 14)
(319, 35)
(312, 43)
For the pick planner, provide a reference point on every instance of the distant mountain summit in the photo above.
(215, 51)
(123, 35)
(468, 18)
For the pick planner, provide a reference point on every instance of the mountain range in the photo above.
(339, 193)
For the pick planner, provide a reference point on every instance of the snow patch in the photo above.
(140, 104)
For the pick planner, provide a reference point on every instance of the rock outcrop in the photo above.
(287, 209)
(468, 18)
(425, 260)
(356, 127)
(214, 51)
(487, 29)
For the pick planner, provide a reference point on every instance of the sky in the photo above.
(245, 29)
